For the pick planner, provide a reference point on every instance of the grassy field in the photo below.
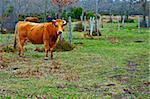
(115, 65)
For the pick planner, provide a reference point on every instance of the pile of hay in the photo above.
(94, 33)
(64, 46)
(79, 27)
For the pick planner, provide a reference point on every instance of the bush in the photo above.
(63, 46)
(90, 14)
(78, 27)
(129, 20)
(76, 12)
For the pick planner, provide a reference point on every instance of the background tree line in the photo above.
(14, 10)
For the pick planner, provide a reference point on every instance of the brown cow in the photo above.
(39, 33)
(32, 19)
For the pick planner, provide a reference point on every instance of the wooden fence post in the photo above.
(118, 22)
(97, 23)
(123, 21)
(84, 23)
(70, 30)
(100, 21)
(139, 24)
(112, 18)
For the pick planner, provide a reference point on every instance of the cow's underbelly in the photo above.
(36, 41)
(36, 38)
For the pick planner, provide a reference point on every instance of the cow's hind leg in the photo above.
(51, 51)
(21, 46)
(46, 43)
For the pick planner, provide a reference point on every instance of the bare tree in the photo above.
(61, 4)
(1, 17)
(144, 5)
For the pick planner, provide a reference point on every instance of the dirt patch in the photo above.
(4, 92)
(70, 76)
(147, 83)
(132, 66)
(6, 48)
(29, 73)
(55, 66)
(88, 36)
(101, 85)
(124, 79)
(113, 40)
(3, 63)
(127, 91)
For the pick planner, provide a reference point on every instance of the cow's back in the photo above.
(35, 34)
(22, 29)
(32, 31)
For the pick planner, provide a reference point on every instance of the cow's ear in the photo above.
(64, 22)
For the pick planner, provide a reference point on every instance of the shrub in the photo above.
(76, 12)
(90, 14)
(129, 20)
(63, 46)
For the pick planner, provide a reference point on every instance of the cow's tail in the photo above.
(15, 37)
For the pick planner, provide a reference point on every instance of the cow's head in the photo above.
(59, 25)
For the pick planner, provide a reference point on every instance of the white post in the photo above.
(70, 30)
(91, 25)
(84, 23)
(81, 18)
(118, 22)
(139, 24)
(147, 22)
(123, 21)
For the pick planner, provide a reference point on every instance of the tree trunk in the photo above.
(127, 16)
(144, 8)
(60, 11)
(45, 11)
(1, 21)
(144, 24)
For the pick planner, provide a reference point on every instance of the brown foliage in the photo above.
(63, 2)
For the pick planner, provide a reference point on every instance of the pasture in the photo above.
(114, 65)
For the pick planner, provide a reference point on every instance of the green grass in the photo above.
(96, 68)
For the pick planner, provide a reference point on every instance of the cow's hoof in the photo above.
(46, 58)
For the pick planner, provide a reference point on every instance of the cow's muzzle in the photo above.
(59, 32)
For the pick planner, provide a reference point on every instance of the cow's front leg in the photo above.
(46, 43)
